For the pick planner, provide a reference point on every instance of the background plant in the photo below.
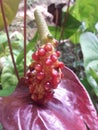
(89, 45)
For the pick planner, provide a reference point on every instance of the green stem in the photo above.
(42, 26)
(9, 42)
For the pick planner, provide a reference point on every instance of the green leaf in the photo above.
(8, 80)
(8, 77)
(3, 38)
(94, 74)
(3, 44)
(30, 46)
(85, 11)
(10, 9)
(70, 27)
(17, 41)
(7, 91)
(55, 31)
(89, 45)
(1, 127)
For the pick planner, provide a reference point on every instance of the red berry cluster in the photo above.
(44, 73)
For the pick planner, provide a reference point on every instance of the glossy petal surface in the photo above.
(70, 109)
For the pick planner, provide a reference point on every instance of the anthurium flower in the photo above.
(69, 109)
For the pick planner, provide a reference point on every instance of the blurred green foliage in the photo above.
(8, 79)
(89, 45)
(10, 10)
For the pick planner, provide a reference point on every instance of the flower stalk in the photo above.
(65, 20)
(25, 7)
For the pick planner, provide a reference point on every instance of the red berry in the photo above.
(38, 67)
(48, 47)
(48, 62)
(47, 86)
(54, 73)
(31, 88)
(58, 53)
(40, 75)
(53, 57)
(41, 51)
(61, 64)
(35, 56)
